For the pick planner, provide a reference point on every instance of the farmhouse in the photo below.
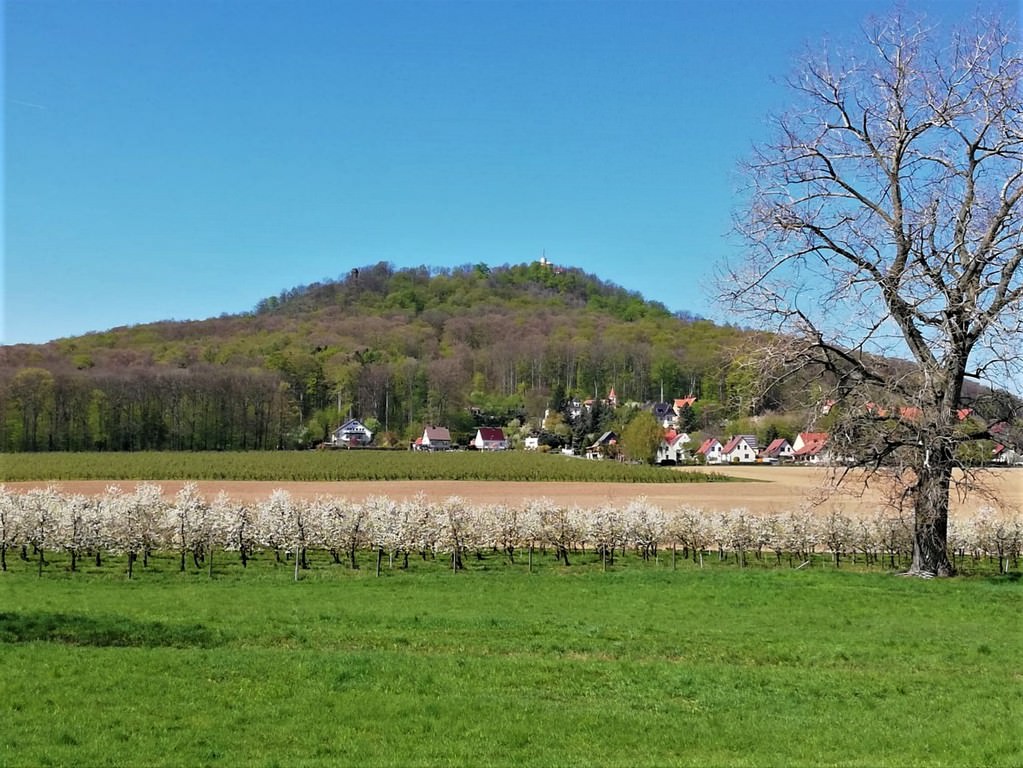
(490, 439)
(435, 439)
(353, 433)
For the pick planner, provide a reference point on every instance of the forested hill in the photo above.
(398, 347)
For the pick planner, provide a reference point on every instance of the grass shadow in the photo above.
(103, 631)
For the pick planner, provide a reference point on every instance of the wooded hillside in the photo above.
(396, 348)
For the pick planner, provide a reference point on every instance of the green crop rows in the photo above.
(297, 466)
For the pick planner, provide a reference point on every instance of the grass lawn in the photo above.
(641, 665)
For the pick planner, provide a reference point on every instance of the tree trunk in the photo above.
(352, 559)
(930, 519)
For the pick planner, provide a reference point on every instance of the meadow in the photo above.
(497, 666)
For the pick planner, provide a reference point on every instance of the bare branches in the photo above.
(885, 221)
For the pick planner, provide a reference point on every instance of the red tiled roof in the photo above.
(707, 445)
(731, 444)
(777, 446)
(491, 433)
(813, 443)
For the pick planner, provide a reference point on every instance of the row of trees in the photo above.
(152, 408)
(136, 523)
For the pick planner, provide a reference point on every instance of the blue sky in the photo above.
(178, 159)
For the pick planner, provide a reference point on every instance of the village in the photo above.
(677, 446)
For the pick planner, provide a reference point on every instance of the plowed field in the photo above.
(771, 489)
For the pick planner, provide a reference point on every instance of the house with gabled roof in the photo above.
(710, 449)
(673, 448)
(602, 446)
(777, 450)
(490, 439)
(352, 434)
(436, 439)
(740, 449)
(665, 414)
(810, 447)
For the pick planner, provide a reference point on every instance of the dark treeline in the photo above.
(399, 348)
(157, 408)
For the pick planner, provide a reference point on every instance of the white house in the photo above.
(490, 439)
(809, 447)
(436, 439)
(353, 433)
(710, 449)
(779, 450)
(673, 448)
(741, 449)
(1004, 455)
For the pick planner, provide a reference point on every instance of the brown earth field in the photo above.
(770, 490)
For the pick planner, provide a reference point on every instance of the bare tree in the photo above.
(884, 230)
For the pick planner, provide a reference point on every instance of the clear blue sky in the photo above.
(178, 159)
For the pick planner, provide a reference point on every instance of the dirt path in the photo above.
(779, 489)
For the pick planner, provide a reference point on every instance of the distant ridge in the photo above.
(398, 346)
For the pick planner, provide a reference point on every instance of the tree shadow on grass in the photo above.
(103, 631)
(1012, 577)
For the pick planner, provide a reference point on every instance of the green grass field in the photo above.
(297, 466)
(641, 665)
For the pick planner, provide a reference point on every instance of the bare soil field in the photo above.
(770, 490)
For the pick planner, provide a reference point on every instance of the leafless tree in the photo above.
(883, 221)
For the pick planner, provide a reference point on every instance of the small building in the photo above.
(710, 449)
(665, 414)
(436, 439)
(490, 439)
(779, 450)
(673, 448)
(810, 448)
(1009, 457)
(603, 446)
(741, 449)
(352, 434)
(531, 443)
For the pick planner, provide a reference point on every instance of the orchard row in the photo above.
(138, 522)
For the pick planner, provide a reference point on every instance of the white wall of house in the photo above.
(741, 453)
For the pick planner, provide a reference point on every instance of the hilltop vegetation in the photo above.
(396, 348)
